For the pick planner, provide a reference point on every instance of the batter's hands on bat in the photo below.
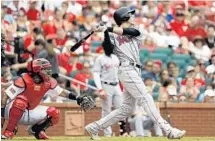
(102, 94)
(100, 28)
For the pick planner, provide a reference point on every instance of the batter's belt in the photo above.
(110, 83)
(131, 63)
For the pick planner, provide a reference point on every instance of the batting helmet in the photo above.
(40, 66)
(122, 14)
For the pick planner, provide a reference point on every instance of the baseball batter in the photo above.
(126, 40)
(105, 72)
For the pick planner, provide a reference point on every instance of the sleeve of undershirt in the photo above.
(97, 73)
(131, 32)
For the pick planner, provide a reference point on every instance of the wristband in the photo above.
(71, 96)
(110, 29)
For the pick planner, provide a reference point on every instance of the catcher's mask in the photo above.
(40, 66)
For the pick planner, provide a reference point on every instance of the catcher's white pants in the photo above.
(134, 93)
(114, 98)
(34, 116)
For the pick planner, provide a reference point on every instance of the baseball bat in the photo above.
(80, 42)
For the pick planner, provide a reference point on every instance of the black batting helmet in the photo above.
(122, 14)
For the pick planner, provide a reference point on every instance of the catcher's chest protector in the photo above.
(34, 92)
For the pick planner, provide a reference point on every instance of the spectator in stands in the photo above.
(210, 40)
(22, 23)
(149, 44)
(45, 49)
(156, 70)
(150, 10)
(58, 18)
(168, 91)
(33, 14)
(202, 69)
(189, 92)
(61, 38)
(151, 85)
(210, 94)
(83, 75)
(170, 67)
(176, 78)
(172, 39)
(178, 24)
(164, 75)
(211, 68)
(184, 43)
(147, 67)
(199, 49)
(159, 37)
(199, 81)
(195, 29)
(67, 61)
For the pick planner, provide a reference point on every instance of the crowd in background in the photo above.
(48, 29)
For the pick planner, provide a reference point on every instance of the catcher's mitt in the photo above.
(85, 102)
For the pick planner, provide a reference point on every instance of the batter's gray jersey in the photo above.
(105, 69)
(127, 47)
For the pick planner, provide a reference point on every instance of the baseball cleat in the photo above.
(176, 134)
(41, 135)
(92, 131)
(7, 135)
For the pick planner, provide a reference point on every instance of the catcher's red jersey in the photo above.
(34, 92)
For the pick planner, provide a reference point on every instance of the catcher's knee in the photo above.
(54, 114)
(21, 102)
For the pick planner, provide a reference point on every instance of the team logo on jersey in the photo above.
(122, 40)
(37, 88)
(12, 91)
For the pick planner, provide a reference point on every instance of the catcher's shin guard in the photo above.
(38, 130)
(16, 112)
(54, 114)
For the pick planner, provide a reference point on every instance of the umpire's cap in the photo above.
(122, 14)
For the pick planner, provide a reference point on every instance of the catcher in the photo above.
(24, 97)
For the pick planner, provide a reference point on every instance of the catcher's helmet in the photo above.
(40, 66)
(122, 14)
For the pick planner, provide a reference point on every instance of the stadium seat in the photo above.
(96, 43)
(93, 49)
(180, 63)
(192, 62)
(200, 98)
(158, 56)
(91, 82)
(181, 57)
(155, 95)
(202, 89)
(144, 52)
(73, 73)
(166, 51)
